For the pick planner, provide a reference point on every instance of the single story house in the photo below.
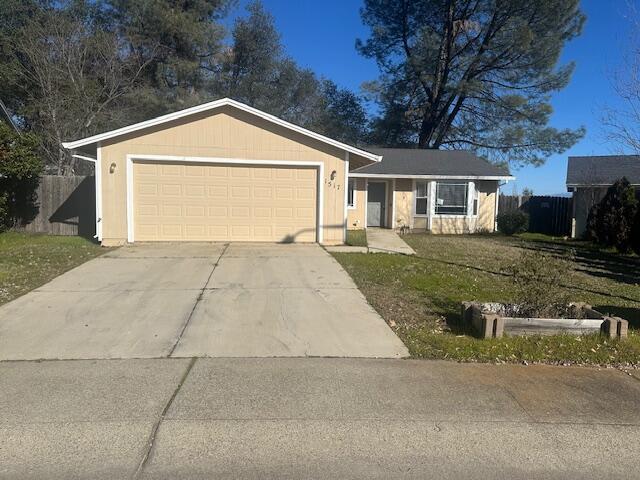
(225, 171)
(589, 177)
(441, 191)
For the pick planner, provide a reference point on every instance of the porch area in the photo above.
(439, 206)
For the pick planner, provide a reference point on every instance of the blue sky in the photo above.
(322, 35)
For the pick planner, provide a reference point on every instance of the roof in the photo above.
(602, 170)
(422, 163)
(6, 116)
(210, 106)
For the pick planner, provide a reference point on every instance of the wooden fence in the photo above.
(64, 206)
(547, 214)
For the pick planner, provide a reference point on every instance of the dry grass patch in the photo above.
(420, 296)
(28, 261)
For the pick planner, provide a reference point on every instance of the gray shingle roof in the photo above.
(411, 161)
(603, 170)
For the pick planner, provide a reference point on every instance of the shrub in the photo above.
(537, 278)
(635, 234)
(20, 169)
(610, 222)
(515, 221)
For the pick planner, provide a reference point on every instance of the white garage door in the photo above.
(214, 202)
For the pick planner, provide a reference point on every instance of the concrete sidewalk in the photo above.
(315, 418)
(385, 240)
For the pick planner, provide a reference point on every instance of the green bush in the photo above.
(20, 169)
(635, 234)
(512, 222)
(611, 222)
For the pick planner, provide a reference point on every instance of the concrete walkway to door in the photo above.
(198, 300)
(385, 240)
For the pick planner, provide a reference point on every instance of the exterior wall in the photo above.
(403, 199)
(583, 200)
(356, 216)
(484, 221)
(228, 133)
(487, 196)
(453, 225)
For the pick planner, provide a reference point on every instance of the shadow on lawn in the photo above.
(632, 315)
(593, 262)
(603, 293)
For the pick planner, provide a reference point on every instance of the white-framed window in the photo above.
(476, 201)
(451, 198)
(351, 193)
(422, 198)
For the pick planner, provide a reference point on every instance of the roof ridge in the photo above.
(223, 102)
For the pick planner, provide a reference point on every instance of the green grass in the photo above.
(28, 261)
(357, 238)
(420, 296)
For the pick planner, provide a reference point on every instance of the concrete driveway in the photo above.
(205, 300)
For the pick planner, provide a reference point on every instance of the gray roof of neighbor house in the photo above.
(412, 162)
(603, 169)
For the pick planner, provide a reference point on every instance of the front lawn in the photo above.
(357, 238)
(420, 296)
(28, 261)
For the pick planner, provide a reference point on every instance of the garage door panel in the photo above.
(224, 203)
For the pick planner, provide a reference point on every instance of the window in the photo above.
(421, 198)
(351, 193)
(451, 198)
(475, 202)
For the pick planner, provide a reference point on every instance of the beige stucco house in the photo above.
(224, 171)
(425, 190)
(589, 178)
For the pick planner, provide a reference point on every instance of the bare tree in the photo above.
(75, 75)
(622, 121)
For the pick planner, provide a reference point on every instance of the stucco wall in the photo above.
(355, 216)
(485, 220)
(487, 191)
(403, 198)
(227, 133)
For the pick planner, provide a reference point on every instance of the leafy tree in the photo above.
(20, 168)
(473, 74)
(255, 70)
(178, 41)
(341, 114)
(635, 234)
(610, 222)
(72, 68)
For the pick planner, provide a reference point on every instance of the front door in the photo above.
(376, 203)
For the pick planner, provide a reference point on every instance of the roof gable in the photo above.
(409, 162)
(602, 169)
(211, 106)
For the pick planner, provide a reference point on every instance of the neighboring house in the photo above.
(224, 171)
(6, 116)
(430, 190)
(589, 178)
